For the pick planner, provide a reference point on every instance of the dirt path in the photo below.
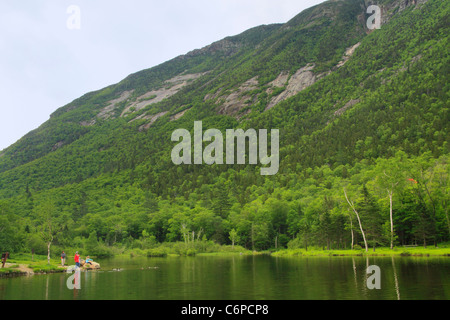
(21, 268)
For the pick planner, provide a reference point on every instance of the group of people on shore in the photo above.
(76, 259)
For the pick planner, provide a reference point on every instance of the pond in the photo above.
(234, 277)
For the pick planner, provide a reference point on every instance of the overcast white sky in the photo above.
(44, 65)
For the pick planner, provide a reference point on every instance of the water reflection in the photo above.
(354, 273)
(242, 278)
(397, 288)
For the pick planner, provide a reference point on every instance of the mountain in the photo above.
(355, 107)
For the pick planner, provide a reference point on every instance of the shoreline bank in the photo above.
(25, 268)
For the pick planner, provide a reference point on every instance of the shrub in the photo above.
(156, 252)
(295, 244)
(101, 251)
(191, 252)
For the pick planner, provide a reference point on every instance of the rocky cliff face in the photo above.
(238, 77)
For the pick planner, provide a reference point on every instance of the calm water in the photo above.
(242, 278)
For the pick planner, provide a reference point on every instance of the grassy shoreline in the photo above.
(25, 264)
(381, 251)
(164, 251)
(22, 266)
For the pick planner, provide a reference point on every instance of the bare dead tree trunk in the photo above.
(391, 194)
(47, 235)
(391, 219)
(185, 233)
(48, 251)
(199, 233)
(253, 241)
(448, 220)
(442, 183)
(359, 220)
(49, 243)
(351, 229)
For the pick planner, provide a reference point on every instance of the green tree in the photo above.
(47, 223)
(233, 237)
(371, 216)
(391, 178)
(221, 202)
(92, 244)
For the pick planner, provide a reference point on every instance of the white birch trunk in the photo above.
(359, 220)
(392, 220)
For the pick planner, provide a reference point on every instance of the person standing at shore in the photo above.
(77, 259)
(63, 258)
(5, 257)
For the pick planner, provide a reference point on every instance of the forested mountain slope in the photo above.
(365, 111)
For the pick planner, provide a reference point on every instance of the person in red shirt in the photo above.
(77, 259)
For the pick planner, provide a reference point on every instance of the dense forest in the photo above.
(364, 150)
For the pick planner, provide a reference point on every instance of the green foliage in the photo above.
(157, 252)
(45, 268)
(110, 185)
